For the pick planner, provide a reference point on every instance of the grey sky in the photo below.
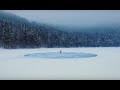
(71, 17)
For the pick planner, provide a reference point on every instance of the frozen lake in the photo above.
(57, 55)
(15, 65)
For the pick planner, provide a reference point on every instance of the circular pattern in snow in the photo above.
(65, 55)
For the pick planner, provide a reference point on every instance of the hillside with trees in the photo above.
(17, 32)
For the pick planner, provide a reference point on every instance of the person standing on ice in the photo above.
(60, 52)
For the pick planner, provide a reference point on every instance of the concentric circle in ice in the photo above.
(55, 55)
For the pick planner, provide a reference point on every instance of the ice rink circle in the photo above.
(65, 55)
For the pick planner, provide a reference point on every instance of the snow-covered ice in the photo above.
(15, 65)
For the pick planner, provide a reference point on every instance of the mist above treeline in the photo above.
(18, 32)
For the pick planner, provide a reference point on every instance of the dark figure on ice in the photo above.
(60, 52)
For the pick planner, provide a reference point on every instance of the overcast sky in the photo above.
(71, 17)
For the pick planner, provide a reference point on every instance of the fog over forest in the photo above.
(73, 20)
(36, 29)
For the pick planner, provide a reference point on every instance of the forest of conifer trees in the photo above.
(17, 32)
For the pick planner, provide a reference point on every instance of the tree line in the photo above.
(17, 32)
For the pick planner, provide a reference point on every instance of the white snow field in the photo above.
(27, 64)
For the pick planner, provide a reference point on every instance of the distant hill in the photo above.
(93, 29)
(18, 32)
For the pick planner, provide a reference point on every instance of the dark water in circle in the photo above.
(65, 55)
